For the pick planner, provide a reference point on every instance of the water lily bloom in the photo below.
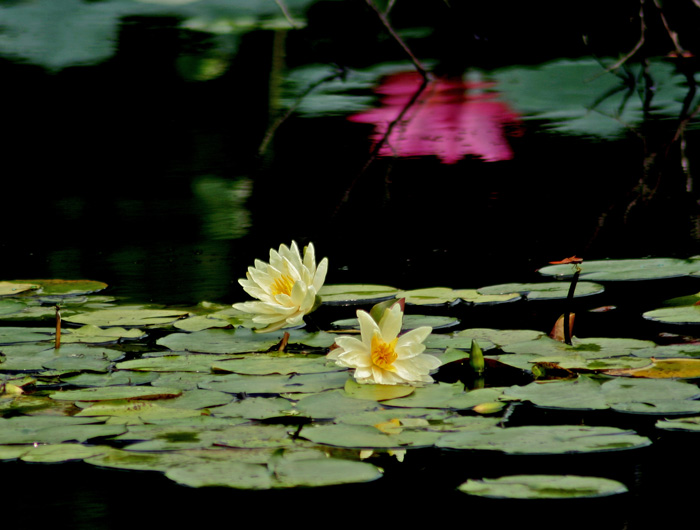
(384, 357)
(286, 287)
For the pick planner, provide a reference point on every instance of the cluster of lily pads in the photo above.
(195, 393)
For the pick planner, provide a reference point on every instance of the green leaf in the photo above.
(628, 269)
(545, 439)
(127, 316)
(355, 294)
(543, 487)
(543, 291)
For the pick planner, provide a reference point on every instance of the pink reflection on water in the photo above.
(451, 118)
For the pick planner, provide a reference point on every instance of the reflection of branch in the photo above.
(279, 121)
(385, 21)
(672, 34)
(285, 12)
(637, 46)
(383, 140)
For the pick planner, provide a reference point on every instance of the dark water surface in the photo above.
(132, 171)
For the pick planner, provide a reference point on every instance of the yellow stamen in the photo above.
(282, 285)
(383, 354)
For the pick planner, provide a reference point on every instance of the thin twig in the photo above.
(385, 21)
(381, 142)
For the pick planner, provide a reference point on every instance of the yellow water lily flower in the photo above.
(286, 287)
(384, 357)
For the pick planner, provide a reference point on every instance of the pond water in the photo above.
(161, 146)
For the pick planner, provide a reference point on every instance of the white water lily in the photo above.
(286, 288)
(384, 357)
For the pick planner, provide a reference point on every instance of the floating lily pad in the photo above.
(16, 335)
(690, 424)
(675, 315)
(62, 452)
(239, 340)
(545, 439)
(664, 368)
(409, 322)
(628, 269)
(52, 429)
(353, 294)
(13, 288)
(448, 296)
(9, 306)
(262, 364)
(277, 384)
(53, 287)
(111, 393)
(580, 393)
(127, 316)
(90, 334)
(543, 487)
(365, 436)
(543, 291)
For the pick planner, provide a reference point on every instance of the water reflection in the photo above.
(449, 118)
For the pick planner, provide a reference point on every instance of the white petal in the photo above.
(320, 275)
(390, 323)
(368, 327)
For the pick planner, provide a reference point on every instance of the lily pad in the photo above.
(448, 296)
(628, 269)
(543, 487)
(133, 316)
(663, 369)
(675, 315)
(355, 294)
(239, 340)
(543, 291)
(545, 439)
(111, 393)
(13, 288)
(55, 287)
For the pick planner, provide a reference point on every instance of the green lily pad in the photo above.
(54, 287)
(10, 306)
(690, 424)
(329, 405)
(256, 408)
(133, 316)
(448, 296)
(675, 315)
(543, 291)
(262, 364)
(91, 334)
(239, 340)
(173, 363)
(14, 287)
(409, 322)
(277, 384)
(62, 452)
(111, 393)
(580, 393)
(543, 487)
(545, 439)
(52, 429)
(354, 294)
(628, 269)
(365, 436)
(308, 473)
